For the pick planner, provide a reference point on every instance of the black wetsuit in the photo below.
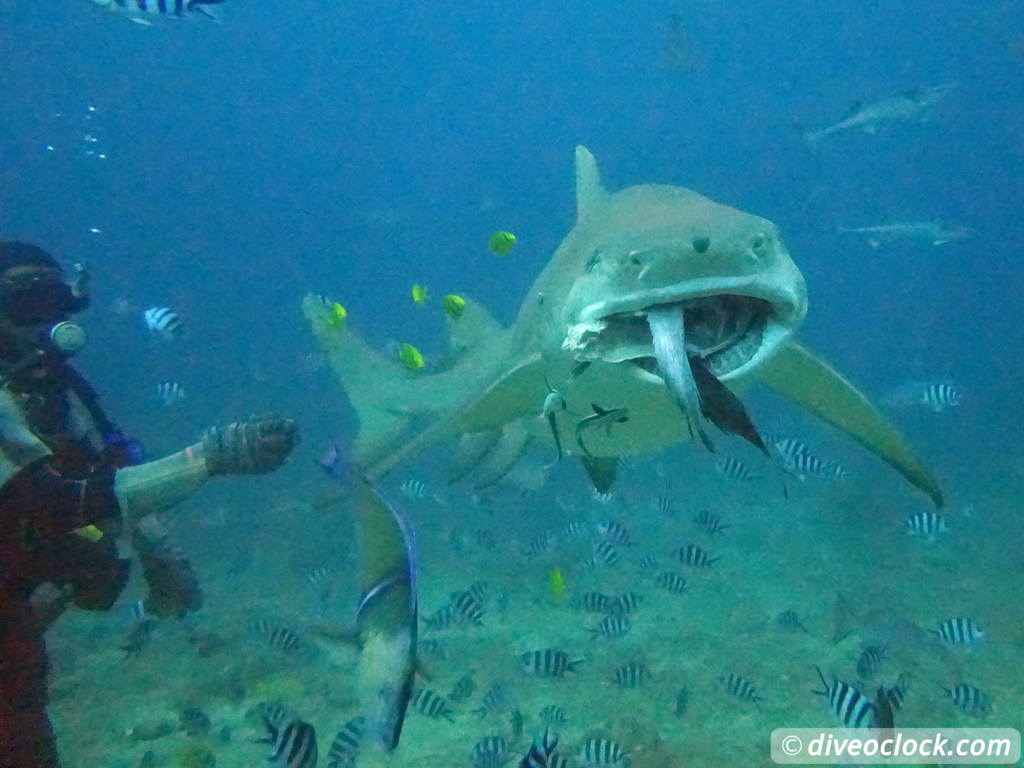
(41, 508)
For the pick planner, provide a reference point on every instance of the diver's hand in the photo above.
(254, 446)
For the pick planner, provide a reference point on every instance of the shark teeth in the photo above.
(668, 329)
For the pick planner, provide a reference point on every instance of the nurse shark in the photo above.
(659, 302)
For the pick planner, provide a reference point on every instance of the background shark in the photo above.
(651, 282)
(909, 105)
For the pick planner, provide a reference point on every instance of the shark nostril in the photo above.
(701, 244)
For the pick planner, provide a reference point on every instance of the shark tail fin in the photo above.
(799, 375)
(379, 389)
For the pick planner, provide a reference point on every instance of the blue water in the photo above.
(352, 149)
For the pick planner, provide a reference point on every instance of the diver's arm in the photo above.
(159, 485)
(253, 446)
(17, 443)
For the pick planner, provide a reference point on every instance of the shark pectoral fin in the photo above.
(511, 395)
(510, 447)
(470, 451)
(601, 470)
(802, 377)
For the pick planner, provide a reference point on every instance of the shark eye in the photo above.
(759, 241)
(701, 244)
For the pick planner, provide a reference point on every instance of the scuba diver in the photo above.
(72, 482)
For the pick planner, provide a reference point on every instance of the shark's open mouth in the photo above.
(690, 343)
(725, 330)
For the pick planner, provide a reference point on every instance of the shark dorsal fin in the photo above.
(589, 191)
(853, 110)
(598, 409)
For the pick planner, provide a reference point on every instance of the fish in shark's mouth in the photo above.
(690, 344)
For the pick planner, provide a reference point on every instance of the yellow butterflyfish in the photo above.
(501, 243)
(410, 357)
(557, 582)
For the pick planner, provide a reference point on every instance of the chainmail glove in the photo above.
(253, 446)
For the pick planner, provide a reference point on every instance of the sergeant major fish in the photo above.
(139, 11)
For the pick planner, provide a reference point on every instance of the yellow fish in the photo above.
(501, 243)
(410, 357)
(454, 306)
(336, 315)
(557, 582)
(89, 533)
(419, 294)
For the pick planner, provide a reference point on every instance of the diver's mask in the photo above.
(37, 304)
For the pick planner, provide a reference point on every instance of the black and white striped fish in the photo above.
(468, 608)
(789, 621)
(597, 751)
(443, 618)
(479, 590)
(169, 393)
(553, 714)
(432, 704)
(462, 689)
(542, 752)
(649, 562)
(959, 631)
(897, 694)
(489, 752)
(594, 602)
(710, 522)
(927, 524)
(631, 675)
(548, 662)
(278, 636)
(941, 395)
(627, 602)
(870, 661)
(612, 627)
(671, 582)
(139, 10)
(853, 709)
(294, 745)
(540, 543)
(732, 468)
(319, 576)
(605, 554)
(273, 712)
(693, 555)
(496, 700)
(970, 699)
(614, 532)
(345, 747)
(163, 322)
(573, 530)
(664, 506)
(416, 490)
(741, 688)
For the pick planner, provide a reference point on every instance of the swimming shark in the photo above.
(909, 105)
(721, 286)
(931, 232)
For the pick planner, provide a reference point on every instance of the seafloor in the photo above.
(834, 552)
